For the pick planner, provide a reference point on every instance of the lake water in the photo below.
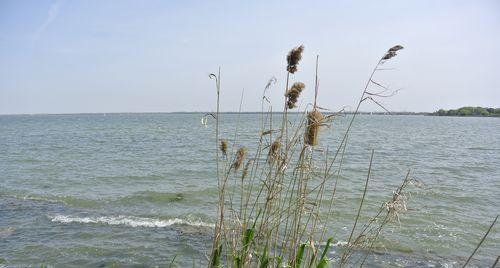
(138, 189)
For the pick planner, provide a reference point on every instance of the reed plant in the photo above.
(276, 202)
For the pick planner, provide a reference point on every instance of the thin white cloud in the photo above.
(53, 11)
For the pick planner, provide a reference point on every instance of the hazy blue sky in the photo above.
(155, 56)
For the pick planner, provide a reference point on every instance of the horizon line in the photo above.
(210, 112)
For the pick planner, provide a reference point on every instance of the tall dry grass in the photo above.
(275, 203)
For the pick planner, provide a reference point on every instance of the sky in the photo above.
(156, 56)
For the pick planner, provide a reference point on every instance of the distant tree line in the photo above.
(469, 111)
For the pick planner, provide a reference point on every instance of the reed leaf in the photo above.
(264, 258)
(247, 239)
(323, 262)
(300, 256)
(216, 258)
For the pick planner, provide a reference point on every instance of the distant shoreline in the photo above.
(469, 111)
(124, 113)
(345, 113)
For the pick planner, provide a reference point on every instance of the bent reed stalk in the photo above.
(281, 202)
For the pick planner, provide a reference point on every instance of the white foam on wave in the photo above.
(130, 221)
(341, 243)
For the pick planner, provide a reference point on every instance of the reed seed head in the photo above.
(396, 48)
(314, 121)
(293, 58)
(273, 150)
(292, 95)
(392, 52)
(223, 147)
(240, 156)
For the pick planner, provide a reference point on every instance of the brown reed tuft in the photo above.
(223, 147)
(240, 156)
(314, 121)
(273, 150)
(293, 94)
(293, 58)
(396, 48)
(392, 52)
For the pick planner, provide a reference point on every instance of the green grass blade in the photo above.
(216, 257)
(172, 262)
(237, 261)
(325, 250)
(322, 264)
(300, 256)
(278, 262)
(264, 259)
(247, 239)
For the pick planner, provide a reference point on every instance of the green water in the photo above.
(138, 189)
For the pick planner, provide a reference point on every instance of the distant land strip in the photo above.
(470, 111)
(467, 111)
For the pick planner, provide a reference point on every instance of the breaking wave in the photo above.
(129, 221)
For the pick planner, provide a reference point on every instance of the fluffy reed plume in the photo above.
(293, 58)
(314, 121)
(223, 147)
(273, 150)
(396, 48)
(392, 52)
(240, 156)
(292, 95)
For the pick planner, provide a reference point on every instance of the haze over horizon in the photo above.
(155, 56)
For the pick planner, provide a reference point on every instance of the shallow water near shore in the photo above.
(139, 189)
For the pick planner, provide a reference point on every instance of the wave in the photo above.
(483, 149)
(66, 200)
(152, 197)
(141, 197)
(151, 177)
(341, 243)
(130, 221)
(135, 198)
